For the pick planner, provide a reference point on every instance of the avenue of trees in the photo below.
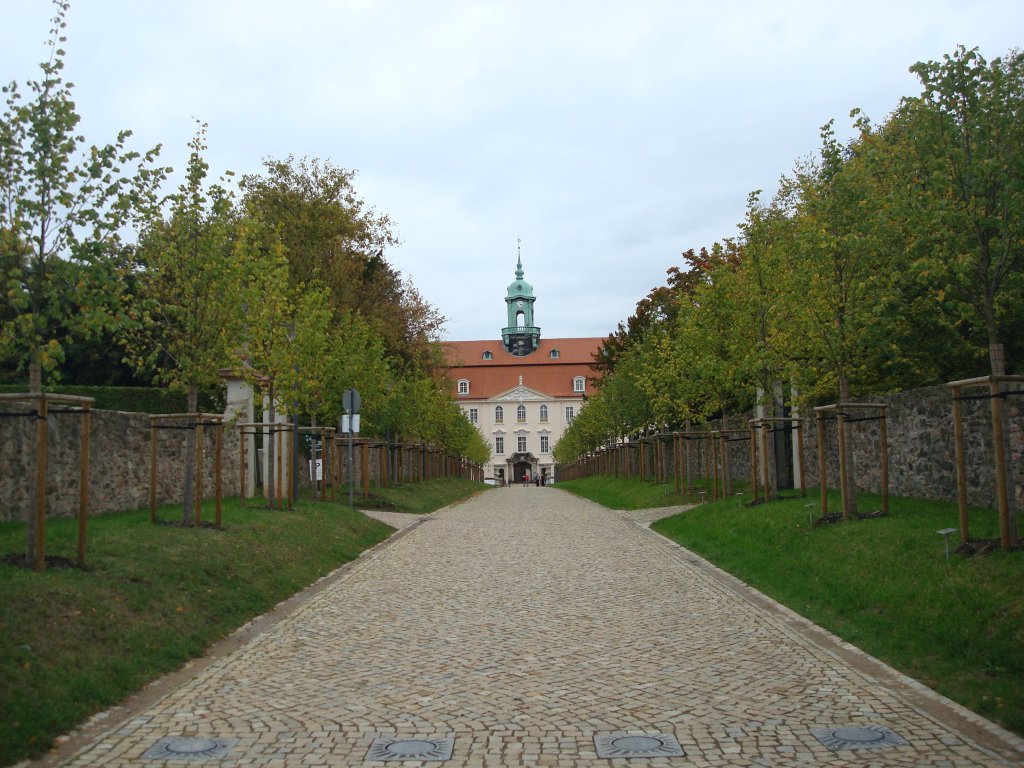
(887, 262)
(284, 281)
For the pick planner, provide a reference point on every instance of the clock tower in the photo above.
(520, 337)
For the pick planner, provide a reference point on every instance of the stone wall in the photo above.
(922, 459)
(119, 463)
(920, 441)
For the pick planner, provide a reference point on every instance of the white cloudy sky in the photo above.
(609, 136)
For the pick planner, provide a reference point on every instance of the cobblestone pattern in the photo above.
(523, 624)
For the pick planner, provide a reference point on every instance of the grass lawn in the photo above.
(883, 585)
(619, 493)
(75, 642)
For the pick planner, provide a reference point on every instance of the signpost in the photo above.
(350, 423)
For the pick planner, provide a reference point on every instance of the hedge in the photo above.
(133, 399)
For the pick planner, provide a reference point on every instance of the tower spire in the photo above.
(519, 263)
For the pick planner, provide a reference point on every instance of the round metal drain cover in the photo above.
(190, 746)
(853, 733)
(411, 748)
(858, 737)
(637, 743)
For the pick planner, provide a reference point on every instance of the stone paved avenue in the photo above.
(523, 623)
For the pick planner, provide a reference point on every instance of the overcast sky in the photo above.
(608, 136)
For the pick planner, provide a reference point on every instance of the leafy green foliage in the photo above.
(62, 208)
(887, 262)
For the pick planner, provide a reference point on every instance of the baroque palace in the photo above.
(520, 391)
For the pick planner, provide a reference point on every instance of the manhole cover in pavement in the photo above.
(189, 748)
(857, 737)
(411, 749)
(644, 745)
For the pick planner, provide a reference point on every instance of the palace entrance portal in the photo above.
(521, 463)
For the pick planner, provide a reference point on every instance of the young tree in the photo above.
(187, 316)
(969, 137)
(61, 206)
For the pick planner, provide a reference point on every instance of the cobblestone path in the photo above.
(528, 627)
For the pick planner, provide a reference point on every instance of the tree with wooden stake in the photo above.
(843, 414)
(62, 208)
(37, 511)
(186, 319)
(997, 390)
(968, 203)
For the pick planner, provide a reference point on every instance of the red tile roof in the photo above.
(540, 372)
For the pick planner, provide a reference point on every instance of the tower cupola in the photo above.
(520, 337)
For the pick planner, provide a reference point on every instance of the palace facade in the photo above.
(519, 390)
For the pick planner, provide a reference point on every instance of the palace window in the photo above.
(544, 413)
(554, 354)
(520, 413)
(474, 416)
(544, 445)
(499, 444)
(463, 386)
(488, 355)
(521, 443)
(499, 414)
(579, 384)
(570, 414)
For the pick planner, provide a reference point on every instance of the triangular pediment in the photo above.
(519, 393)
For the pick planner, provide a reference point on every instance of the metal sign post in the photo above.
(350, 423)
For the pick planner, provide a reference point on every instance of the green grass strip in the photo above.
(73, 642)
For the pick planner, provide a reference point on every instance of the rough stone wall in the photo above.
(119, 463)
(922, 459)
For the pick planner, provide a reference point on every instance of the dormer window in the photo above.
(488, 355)
(463, 386)
(579, 384)
(554, 354)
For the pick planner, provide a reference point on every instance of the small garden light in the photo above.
(944, 533)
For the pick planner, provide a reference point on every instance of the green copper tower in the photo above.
(520, 336)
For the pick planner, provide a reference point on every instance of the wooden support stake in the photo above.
(83, 485)
(364, 468)
(753, 462)
(844, 489)
(292, 479)
(152, 472)
(198, 517)
(41, 433)
(961, 470)
(800, 450)
(242, 458)
(1002, 498)
(884, 453)
(765, 467)
(219, 428)
(822, 482)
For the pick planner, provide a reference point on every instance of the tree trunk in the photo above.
(726, 473)
(846, 446)
(268, 482)
(997, 359)
(188, 494)
(35, 387)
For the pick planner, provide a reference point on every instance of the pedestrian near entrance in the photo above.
(526, 477)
